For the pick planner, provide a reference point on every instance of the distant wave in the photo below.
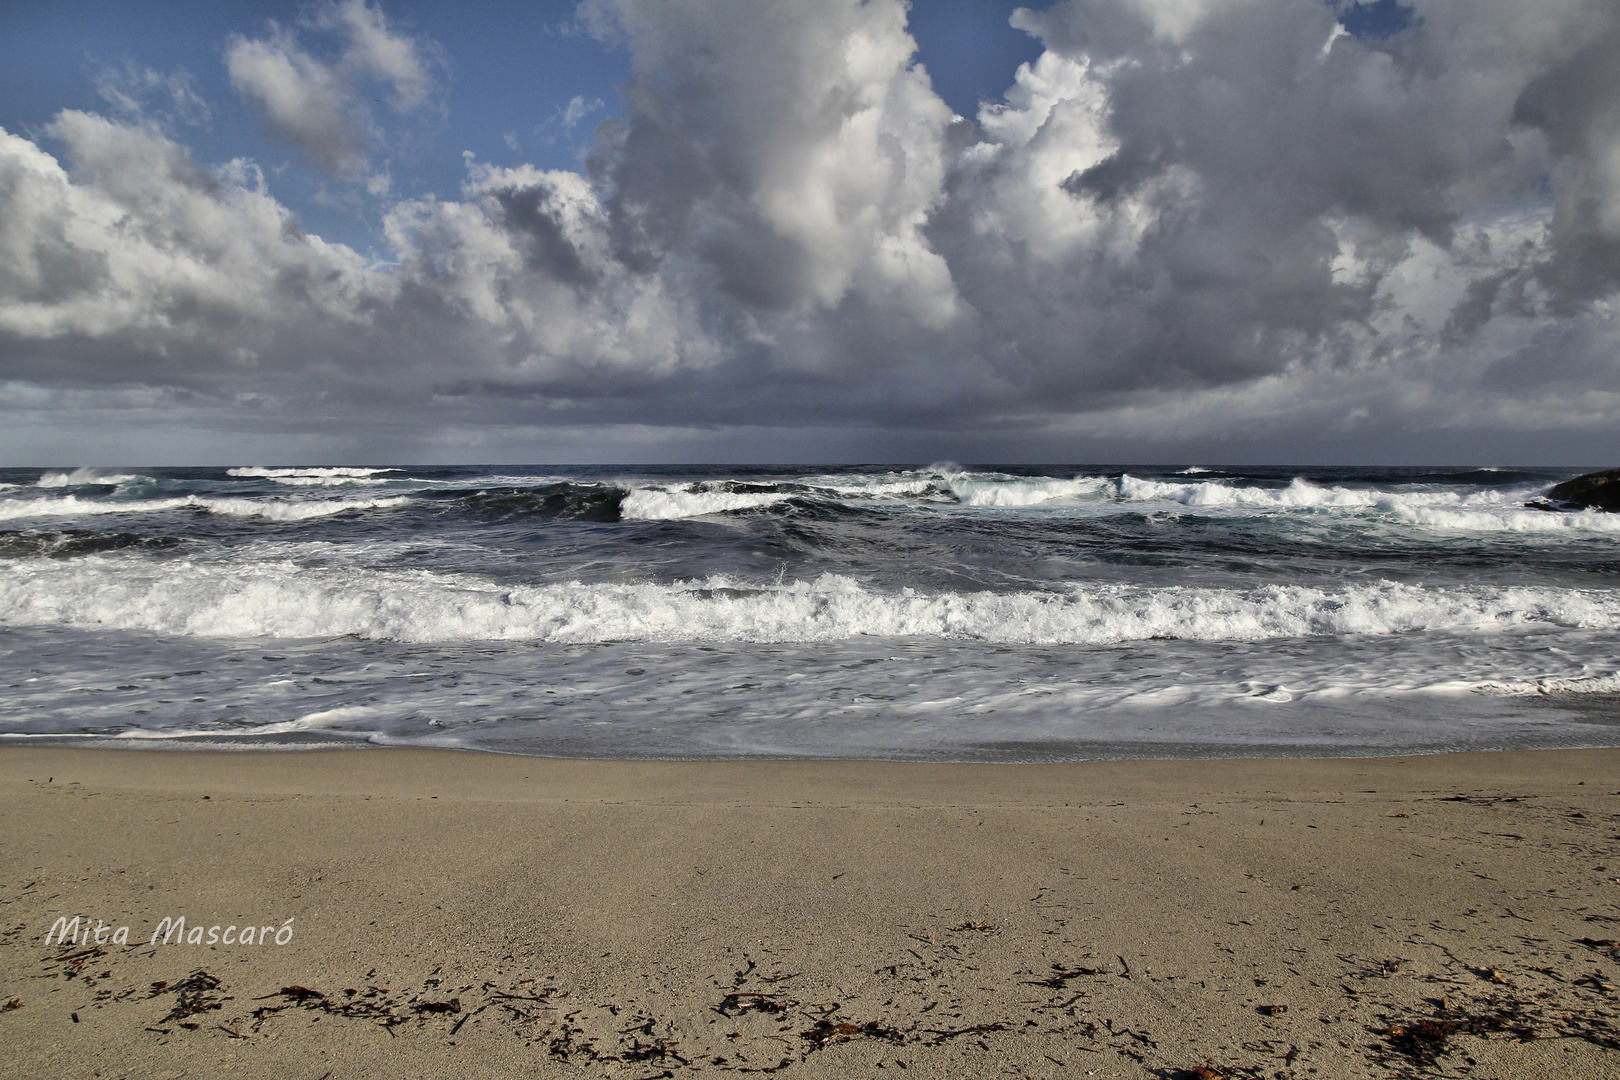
(1460, 508)
(271, 509)
(333, 476)
(1488, 510)
(87, 476)
(335, 470)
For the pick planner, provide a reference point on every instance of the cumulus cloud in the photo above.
(139, 267)
(141, 223)
(322, 106)
(1186, 218)
(1245, 179)
(795, 154)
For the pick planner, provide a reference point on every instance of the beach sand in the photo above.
(472, 915)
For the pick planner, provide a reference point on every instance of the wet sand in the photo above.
(472, 915)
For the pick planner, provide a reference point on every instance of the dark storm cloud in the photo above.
(1187, 215)
(1576, 105)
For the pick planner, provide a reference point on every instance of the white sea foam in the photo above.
(1487, 510)
(82, 476)
(1219, 493)
(284, 600)
(1033, 491)
(314, 477)
(73, 506)
(272, 509)
(1584, 684)
(335, 471)
(314, 721)
(659, 504)
(876, 488)
(326, 481)
(295, 510)
(1502, 519)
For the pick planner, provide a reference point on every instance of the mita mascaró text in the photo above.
(81, 931)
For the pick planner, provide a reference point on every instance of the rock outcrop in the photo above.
(1594, 491)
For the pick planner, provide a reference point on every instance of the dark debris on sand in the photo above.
(770, 1021)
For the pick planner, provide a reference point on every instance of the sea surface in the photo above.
(927, 613)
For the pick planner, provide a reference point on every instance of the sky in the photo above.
(1195, 231)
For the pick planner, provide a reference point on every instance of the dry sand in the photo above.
(467, 915)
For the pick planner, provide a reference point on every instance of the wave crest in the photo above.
(270, 509)
(87, 476)
(286, 601)
(312, 472)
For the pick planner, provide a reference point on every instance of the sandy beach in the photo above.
(461, 914)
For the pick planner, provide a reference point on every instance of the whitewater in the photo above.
(925, 613)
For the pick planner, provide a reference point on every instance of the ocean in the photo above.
(940, 613)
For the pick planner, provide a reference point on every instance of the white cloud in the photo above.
(138, 92)
(576, 110)
(791, 147)
(322, 106)
(141, 265)
(403, 65)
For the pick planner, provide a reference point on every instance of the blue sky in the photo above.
(512, 70)
(1094, 230)
(513, 67)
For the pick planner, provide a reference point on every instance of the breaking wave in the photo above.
(282, 600)
(271, 509)
(1487, 510)
(662, 503)
(659, 504)
(88, 476)
(1429, 505)
(1031, 492)
(278, 474)
(1053, 611)
(336, 476)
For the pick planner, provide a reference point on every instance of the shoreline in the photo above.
(1101, 752)
(814, 917)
